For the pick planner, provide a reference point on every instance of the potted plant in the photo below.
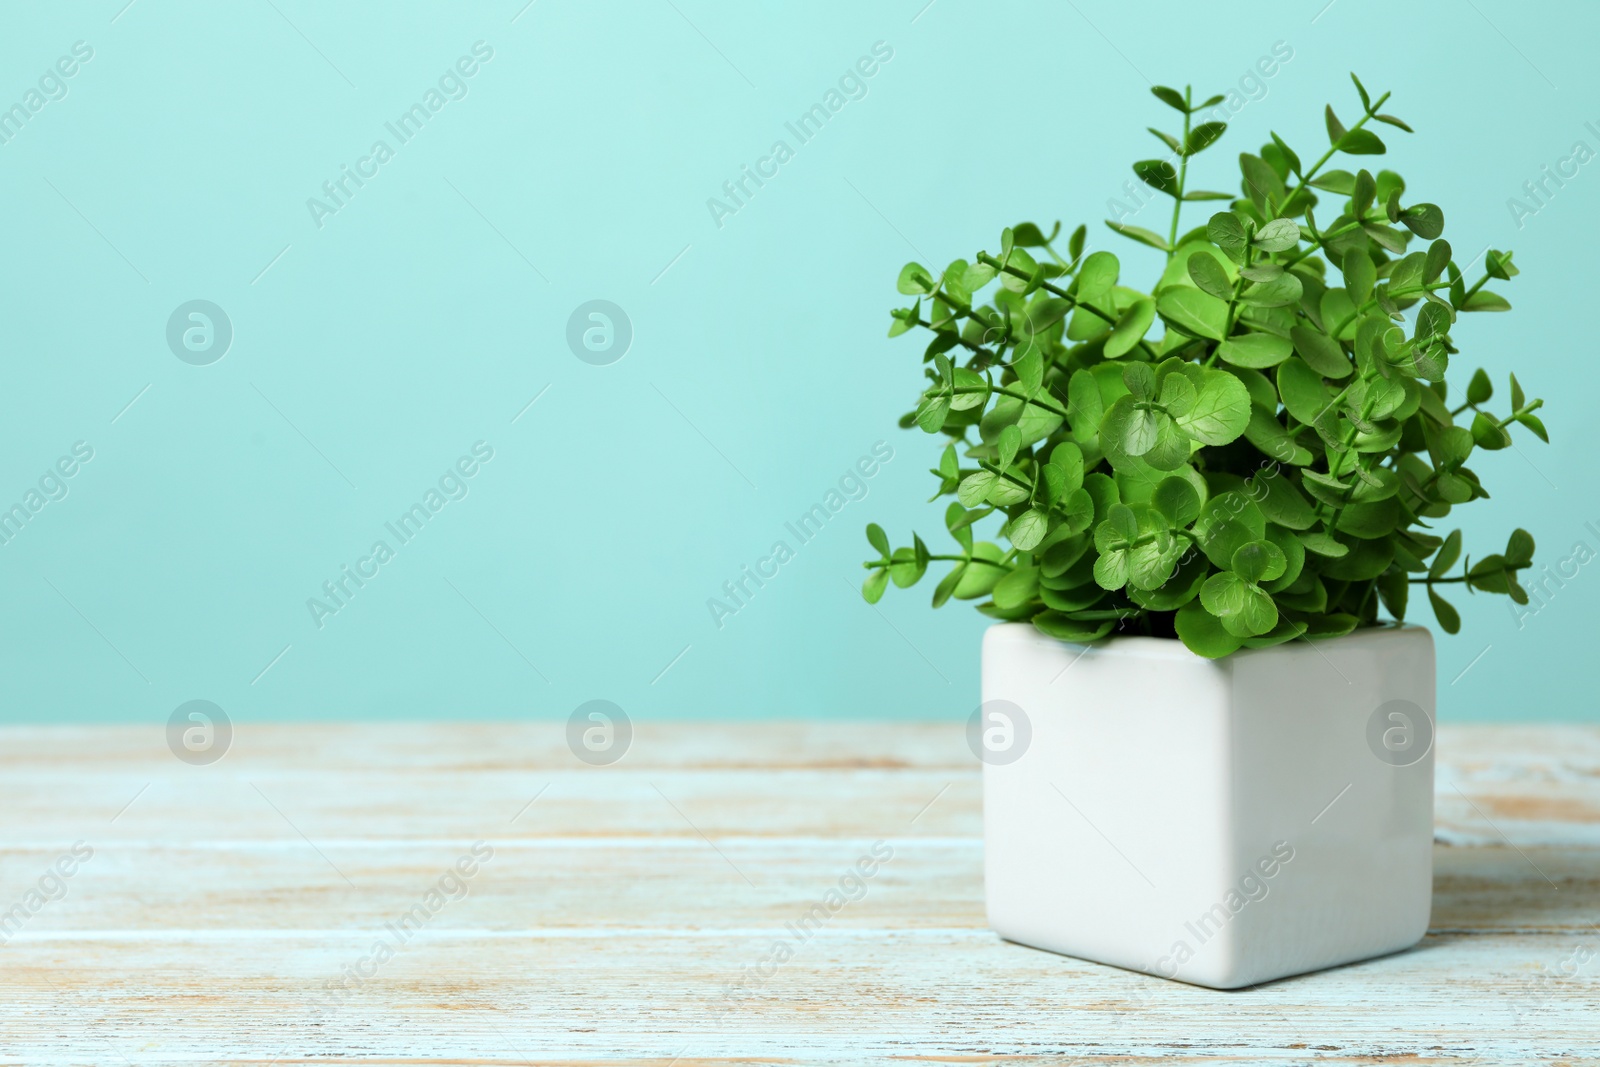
(1206, 728)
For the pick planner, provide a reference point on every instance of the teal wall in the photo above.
(380, 339)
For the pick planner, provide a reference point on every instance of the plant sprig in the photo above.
(1266, 467)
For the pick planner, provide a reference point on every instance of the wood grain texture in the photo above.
(629, 914)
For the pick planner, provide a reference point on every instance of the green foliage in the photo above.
(1254, 451)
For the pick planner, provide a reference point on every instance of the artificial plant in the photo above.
(1257, 450)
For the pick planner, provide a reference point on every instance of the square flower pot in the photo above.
(1221, 822)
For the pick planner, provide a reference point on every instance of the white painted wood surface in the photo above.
(622, 904)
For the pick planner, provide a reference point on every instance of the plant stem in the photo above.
(1183, 177)
(1003, 391)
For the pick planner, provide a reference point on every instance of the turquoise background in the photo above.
(371, 352)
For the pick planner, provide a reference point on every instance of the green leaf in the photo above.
(1203, 136)
(1498, 265)
(1424, 220)
(1178, 394)
(1320, 352)
(1020, 260)
(1280, 501)
(1449, 619)
(1258, 561)
(1279, 235)
(1359, 275)
(1057, 625)
(1336, 130)
(1130, 329)
(1068, 458)
(1480, 388)
(1366, 101)
(971, 389)
(1097, 276)
(878, 538)
(1202, 632)
(1028, 529)
(1302, 390)
(1489, 435)
(1370, 521)
(932, 411)
(1143, 236)
(1167, 139)
(1484, 300)
(1323, 545)
(947, 585)
(1361, 143)
(1130, 428)
(1028, 235)
(1208, 274)
(1432, 321)
(1016, 588)
(908, 565)
(1177, 501)
(1220, 412)
(1245, 610)
(872, 589)
(1171, 97)
(1028, 366)
(1261, 183)
(1446, 557)
(980, 578)
(1289, 155)
(1255, 350)
(976, 276)
(1085, 406)
(1339, 182)
(1193, 312)
(1519, 549)
(1158, 174)
(915, 279)
(1227, 233)
(1268, 434)
(975, 488)
(1281, 291)
(1391, 120)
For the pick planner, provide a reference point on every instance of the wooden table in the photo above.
(631, 913)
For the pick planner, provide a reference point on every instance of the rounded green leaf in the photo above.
(1220, 412)
(1193, 311)
(1016, 588)
(1202, 632)
(1256, 351)
(1279, 235)
(981, 576)
(915, 280)
(1449, 618)
(1057, 625)
(1177, 501)
(1130, 329)
(1028, 529)
(1097, 275)
(1158, 174)
(1208, 274)
(1302, 390)
(878, 539)
(1320, 352)
(1258, 561)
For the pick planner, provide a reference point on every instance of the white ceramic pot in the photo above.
(1219, 822)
